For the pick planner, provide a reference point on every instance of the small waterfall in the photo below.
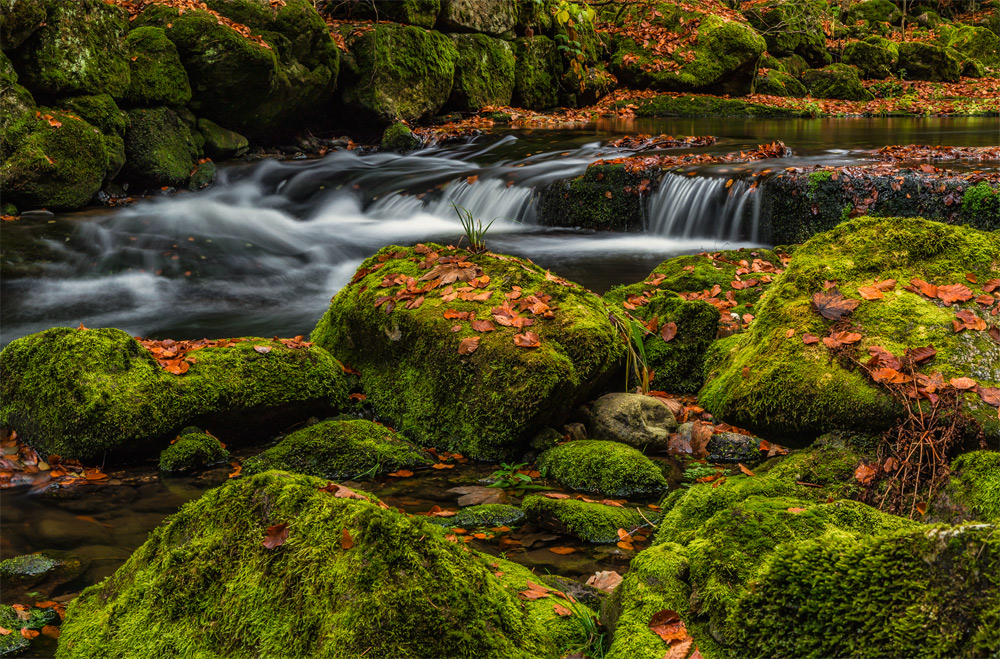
(701, 206)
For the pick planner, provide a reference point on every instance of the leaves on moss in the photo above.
(832, 305)
(276, 535)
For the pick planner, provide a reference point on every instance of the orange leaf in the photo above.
(468, 345)
(810, 339)
(625, 545)
(963, 383)
(745, 470)
(527, 340)
(864, 473)
(4, 631)
(668, 331)
(561, 610)
(51, 631)
(441, 465)
(555, 495)
(346, 541)
(870, 293)
(922, 506)
(562, 551)
(668, 625)
(29, 633)
(402, 473)
(796, 510)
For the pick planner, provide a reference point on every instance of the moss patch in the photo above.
(591, 522)
(341, 450)
(536, 76)
(603, 467)
(484, 72)
(927, 61)
(836, 81)
(485, 515)
(708, 106)
(159, 148)
(398, 137)
(192, 451)
(157, 75)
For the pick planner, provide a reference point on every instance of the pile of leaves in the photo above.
(642, 142)
(911, 152)
(174, 356)
(23, 613)
(644, 164)
(455, 130)
(136, 7)
(21, 465)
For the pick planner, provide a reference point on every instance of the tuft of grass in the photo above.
(474, 230)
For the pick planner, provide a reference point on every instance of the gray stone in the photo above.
(494, 17)
(633, 419)
(733, 447)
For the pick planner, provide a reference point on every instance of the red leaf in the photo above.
(955, 293)
(668, 331)
(527, 340)
(962, 384)
(919, 355)
(276, 535)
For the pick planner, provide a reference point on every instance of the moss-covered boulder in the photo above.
(836, 81)
(399, 72)
(874, 57)
(45, 572)
(484, 515)
(793, 28)
(484, 72)
(52, 159)
(590, 522)
(79, 393)
(341, 450)
(725, 53)
(601, 467)
(406, 323)
(977, 43)
(15, 101)
(220, 142)
(973, 490)
(927, 61)
(264, 86)
(159, 148)
(776, 83)
(981, 206)
(18, 19)
(79, 50)
(100, 111)
(536, 76)
(605, 197)
(421, 13)
(346, 577)
(873, 11)
(398, 137)
(192, 450)
(791, 392)
(157, 76)
(495, 17)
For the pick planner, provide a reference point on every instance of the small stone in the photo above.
(733, 447)
(633, 419)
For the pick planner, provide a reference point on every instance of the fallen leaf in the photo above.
(402, 473)
(870, 293)
(796, 510)
(922, 507)
(668, 331)
(833, 305)
(4, 631)
(963, 383)
(680, 649)
(562, 551)
(468, 345)
(606, 580)
(668, 625)
(527, 340)
(262, 349)
(29, 633)
(555, 495)
(864, 473)
(483, 326)
(346, 541)
(955, 293)
(561, 610)
(51, 631)
(745, 470)
(810, 339)
(276, 535)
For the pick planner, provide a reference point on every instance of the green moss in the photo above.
(79, 393)
(400, 72)
(776, 385)
(192, 451)
(79, 50)
(401, 590)
(487, 404)
(536, 76)
(926, 61)
(100, 111)
(50, 166)
(976, 42)
(981, 205)
(220, 142)
(793, 28)
(341, 450)
(590, 522)
(874, 58)
(975, 484)
(776, 83)
(159, 148)
(604, 197)
(398, 137)
(836, 81)
(829, 466)
(708, 106)
(484, 72)
(20, 20)
(485, 515)
(601, 467)
(914, 592)
(157, 75)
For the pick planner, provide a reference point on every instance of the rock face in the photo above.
(399, 72)
(836, 81)
(159, 148)
(19, 19)
(926, 61)
(157, 76)
(606, 468)
(536, 76)
(495, 17)
(79, 393)
(484, 72)
(341, 450)
(633, 419)
(406, 323)
(768, 382)
(352, 570)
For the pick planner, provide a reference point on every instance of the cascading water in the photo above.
(702, 206)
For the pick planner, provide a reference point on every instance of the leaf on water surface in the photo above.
(562, 551)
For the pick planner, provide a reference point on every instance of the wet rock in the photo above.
(633, 419)
(536, 76)
(546, 438)
(159, 148)
(221, 143)
(45, 571)
(590, 522)
(576, 431)
(733, 447)
(399, 138)
(484, 72)
(606, 468)
(471, 495)
(486, 515)
(18, 20)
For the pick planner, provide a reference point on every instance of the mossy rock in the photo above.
(536, 76)
(981, 206)
(100, 111)
(400, 589)
(790, 392)
(927, 61)
(15, 643)
(726, 53)
(261, 91)
(973, 68)
(601, 467)
(874, 58)
(79, 50)
(15, 102)
(48, 569)
(836, 81)
(793, 29)
(873, 11)
(157, 75)
(708, 106)
(494, 17)
(776, 83)
(977, 43)
(398, 137)
(590, 522)
(484, 72)
(55, 165)
(192, 451)
(421, 13)
(484, 515)
(973, 491)
(80, 393)
(604, 197)
(18, 20)
(341, 450)
(159, 148)
(220, 142)
(486, 404)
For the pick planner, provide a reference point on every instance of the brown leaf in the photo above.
(668, 331)
(864, 473)
(832, 305)
(341, 492)
(963, 383)
(885, 286)
(483, 326)
(870, 293)
(922, 507)
(29, 633)
(920, 355)
(701, 433)
(562, 551)
(668, 625)
(810, 339)
(276, 536)
(606, 580)
(970, 277)
(744, 469)
(555, 495)
(680, 649)
(955, 293)
(990, 395)
(468, 345)
(402, 473)
(527, 340)
(561, 610)
(262, 349)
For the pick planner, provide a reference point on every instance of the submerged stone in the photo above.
(606, 468)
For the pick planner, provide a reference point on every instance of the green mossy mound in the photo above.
(590, 522)
(484, 72)
(52, 166)
(793, 29)
(597, 199)
(157, 75)
(927, 61)
(601, 467)
(536, 76)
(15, 102)
(192, 451)
(486, 404)
(100, 111)
(20, 18)
(341, 450)
(708, 106)
(220, 142)
(79, 50)
(400, 590)
(873, 11)
(159, 148)
(398, 137)
(79, 393)
(977, 43)
(981, 206)
(397, 72)
(495, 17)
(875, 58)
(484, 515)
(776, 83)
(973, 492)
(836, 81)
(790, 392)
